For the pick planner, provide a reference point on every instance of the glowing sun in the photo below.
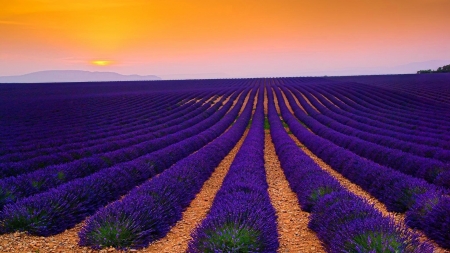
(101, 63)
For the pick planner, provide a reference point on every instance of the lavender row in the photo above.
(342, 221)
(95, 117)
(54, 102)
(49, 147)
(375, 127)
(355, 165)
(433, 171)
(82, 136)
(112, 157)
(424, 124)
(147, 213)
(114, 105)
(75, 147)
(242, 218)
(36, 134)
(371, 117)
(415, 127)
(427, 88)
(117, 125)
(432, 88)
(362, 114)
(404, 104)
(399, 192)
(74, 151)
(431, 139)
(15, 188)
(431, 118)
(329, 119)
(133, 117)
(63, 207)
(15, 92)
(382, 104)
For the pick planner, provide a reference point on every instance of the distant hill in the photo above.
(56, 76)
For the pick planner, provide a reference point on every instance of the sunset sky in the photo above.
(232, 38)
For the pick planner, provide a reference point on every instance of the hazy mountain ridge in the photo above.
(55, 76)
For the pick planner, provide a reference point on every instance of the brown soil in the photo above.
(309, 102)
(68, 240)
(318, 101)
(218, 99)
(330, 102)
(179, 236)
(357, 190)
(275, 100)
(292, 222)
(245, 102)
(296, 100)
(64, 242)
(266, 101)
(343, 101)
(290, 109)
(193, 99)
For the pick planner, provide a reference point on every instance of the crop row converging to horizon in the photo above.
(230, 165)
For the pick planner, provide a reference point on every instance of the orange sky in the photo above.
(233, 38)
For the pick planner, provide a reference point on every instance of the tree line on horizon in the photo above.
(444, 69)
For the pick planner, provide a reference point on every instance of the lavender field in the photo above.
(312, 164)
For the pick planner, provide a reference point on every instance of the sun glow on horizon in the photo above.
(101, 63)
(240, 38)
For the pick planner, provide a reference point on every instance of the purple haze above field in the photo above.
(177, 39)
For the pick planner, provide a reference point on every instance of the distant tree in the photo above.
(425, 71)
(444, 69)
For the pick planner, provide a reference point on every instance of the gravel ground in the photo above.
(343, 101)
(292, 221)
(309, 103)
(218, 99)
(64, 242)
(320, 102)
(295, 99)
(330, 101)
(179, 236)
(357, 190)
(295, 236)
(68, 240)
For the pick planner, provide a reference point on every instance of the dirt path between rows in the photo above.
(179, 236)
(295, 99)
(68, 240)
(292, 222)
(357, 190)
